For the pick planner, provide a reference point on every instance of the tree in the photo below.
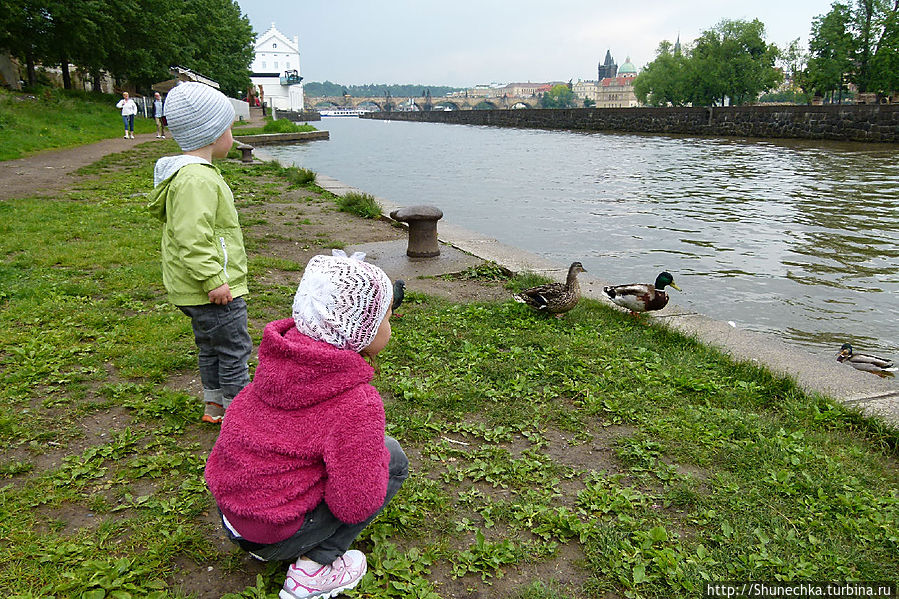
(885, 62)
(831, 49)
(856, 43)
(560, 96)
(732, 61)
(864, 22)
(793, 61)
(73, 29)
(135, 42)
(663, 81)
(23, 32)
(218, 42)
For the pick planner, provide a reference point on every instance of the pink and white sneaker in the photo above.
(307, 579)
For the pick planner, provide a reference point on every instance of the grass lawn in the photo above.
(587, 456)
(55, 118)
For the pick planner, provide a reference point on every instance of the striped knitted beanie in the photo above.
(342, 301)
(197, 115)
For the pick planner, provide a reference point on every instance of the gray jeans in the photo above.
(323, 538)
(224, 344)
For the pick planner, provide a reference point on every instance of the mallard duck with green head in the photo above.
(866, 362)
(554, 298)
(642, 297)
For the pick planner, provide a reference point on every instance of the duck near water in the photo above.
(865, 362)
(642, 297)
(554, 298)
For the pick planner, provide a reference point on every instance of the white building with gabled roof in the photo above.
(276, 70)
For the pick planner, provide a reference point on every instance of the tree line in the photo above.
(732, 63)
(135, 42)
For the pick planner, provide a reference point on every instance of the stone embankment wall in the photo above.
(277, 138)
(865, 123)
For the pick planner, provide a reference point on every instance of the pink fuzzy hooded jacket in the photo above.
(308, 428)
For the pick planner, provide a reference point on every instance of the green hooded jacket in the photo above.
(202, 245)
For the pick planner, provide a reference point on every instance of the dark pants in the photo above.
(323, 538)
(224, 345)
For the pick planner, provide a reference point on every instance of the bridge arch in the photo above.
(446, 103)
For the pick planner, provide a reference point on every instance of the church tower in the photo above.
(608, 68)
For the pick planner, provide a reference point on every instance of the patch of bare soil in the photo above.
(562, 572)
(302, 225)
(462, 290)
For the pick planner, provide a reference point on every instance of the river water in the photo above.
(793, 238)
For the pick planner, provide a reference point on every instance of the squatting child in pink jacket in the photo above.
(302, 464)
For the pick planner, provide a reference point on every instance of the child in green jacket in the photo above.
(204, 263)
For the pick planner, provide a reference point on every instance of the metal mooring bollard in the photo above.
(246, 152)
(422, 222)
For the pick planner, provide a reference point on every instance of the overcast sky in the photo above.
(467, 42)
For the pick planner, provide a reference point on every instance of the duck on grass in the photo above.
(554, 298)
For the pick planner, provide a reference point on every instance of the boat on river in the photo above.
(343, 112)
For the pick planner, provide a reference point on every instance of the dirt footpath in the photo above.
(49, 172)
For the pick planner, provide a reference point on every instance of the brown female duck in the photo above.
(554, 298)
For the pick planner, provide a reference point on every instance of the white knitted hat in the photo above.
(342, 301)
(197, 114)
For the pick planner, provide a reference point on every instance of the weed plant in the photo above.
(299, 176)
(360, 204)
(54, 118)
(272, 126)
(605, 457)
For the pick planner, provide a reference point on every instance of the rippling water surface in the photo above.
(792, 238)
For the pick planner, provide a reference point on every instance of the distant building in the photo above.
(523, 90)
(613, 91)
(618, 91)
(585, 90)
(608, 68)
(276, 70)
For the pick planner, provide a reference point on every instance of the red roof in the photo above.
(618, 81)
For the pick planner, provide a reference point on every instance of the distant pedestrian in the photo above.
(159, 115)
(204, 262)
(129, 109)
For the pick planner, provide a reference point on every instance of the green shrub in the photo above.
(272, 126)
(285, 126)
(299, 176)
(360, 204)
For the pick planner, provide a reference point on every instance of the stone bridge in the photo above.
(402, 102)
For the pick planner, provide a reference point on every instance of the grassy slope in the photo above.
(54, 118)
(654, 459)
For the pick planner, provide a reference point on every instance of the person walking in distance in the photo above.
(129, 109)
(159, 115)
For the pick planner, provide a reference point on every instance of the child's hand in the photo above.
(221, 295)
